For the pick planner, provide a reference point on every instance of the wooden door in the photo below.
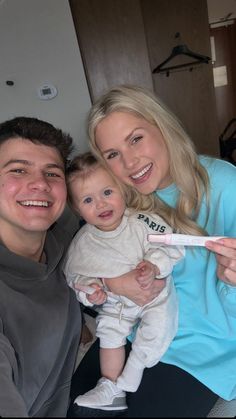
(224, 40)
(112, 42)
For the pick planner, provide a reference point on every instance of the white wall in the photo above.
(38, 44)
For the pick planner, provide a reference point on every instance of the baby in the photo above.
(113, 242)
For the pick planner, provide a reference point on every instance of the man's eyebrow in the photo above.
(55, 166)
(29, 163)
(12, 161)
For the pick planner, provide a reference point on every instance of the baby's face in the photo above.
(98, 199)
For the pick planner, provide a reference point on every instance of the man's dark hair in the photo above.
(39, 132)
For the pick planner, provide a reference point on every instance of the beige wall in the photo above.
(38, 45)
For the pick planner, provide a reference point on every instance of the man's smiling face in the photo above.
(32, 186)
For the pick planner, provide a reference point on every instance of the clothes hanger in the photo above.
(181, 49)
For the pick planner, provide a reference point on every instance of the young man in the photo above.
(40, 320)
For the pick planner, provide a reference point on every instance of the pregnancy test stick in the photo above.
(181, 239)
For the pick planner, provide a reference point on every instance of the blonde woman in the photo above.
(146, 147)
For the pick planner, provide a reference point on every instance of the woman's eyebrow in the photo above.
(125, 139)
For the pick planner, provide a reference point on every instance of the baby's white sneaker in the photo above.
(105, 396)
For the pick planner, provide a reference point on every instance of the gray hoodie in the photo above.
(40, 326)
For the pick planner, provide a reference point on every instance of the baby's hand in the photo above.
(146, 273)
(98, 297)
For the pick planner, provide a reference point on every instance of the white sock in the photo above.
(130, 378)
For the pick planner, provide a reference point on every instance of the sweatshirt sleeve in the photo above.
(72, 271)
(226, 175)
(75, 281)
(227, 295)
(11, 402)
(164, 257)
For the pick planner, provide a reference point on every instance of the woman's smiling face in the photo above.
(135, 151)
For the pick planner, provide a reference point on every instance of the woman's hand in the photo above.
(128, 286)
(147, 273)
(225, 250)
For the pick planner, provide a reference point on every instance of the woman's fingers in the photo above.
(225, 250)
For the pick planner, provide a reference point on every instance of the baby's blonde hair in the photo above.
(186, 172)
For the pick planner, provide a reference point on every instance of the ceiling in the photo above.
(221, 10)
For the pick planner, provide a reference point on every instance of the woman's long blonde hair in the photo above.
(186, 172)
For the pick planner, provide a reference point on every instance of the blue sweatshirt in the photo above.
(205, 344)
